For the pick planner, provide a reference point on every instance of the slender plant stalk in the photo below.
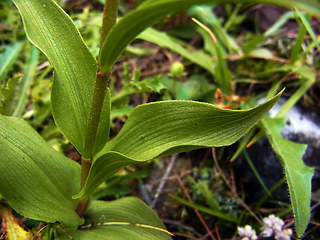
(83, 204)
(100, 87)
(99, 93)
(110, 13)
(82, 207)
(85, 168)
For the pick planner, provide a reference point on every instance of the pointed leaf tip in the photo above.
(163, 128)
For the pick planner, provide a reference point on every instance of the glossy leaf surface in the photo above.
(53, 32)
(168, 127)
(36, 180)
(298, 175)
(125, 31)
(126, 218)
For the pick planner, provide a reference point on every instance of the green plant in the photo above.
(42, 184)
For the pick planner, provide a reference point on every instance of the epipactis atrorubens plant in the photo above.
(42, 184)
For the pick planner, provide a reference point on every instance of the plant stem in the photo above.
(99, 93)
(110, 13)
(85, 168)
(82, 207)
(83, 204)
(109, 19)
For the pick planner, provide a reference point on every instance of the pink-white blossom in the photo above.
(247, 233)
(285, 234)
(271, 226)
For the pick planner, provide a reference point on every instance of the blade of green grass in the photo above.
(201, 208)
(8, 57)
(256, 173)
(307, 25)
(164, 40)
(243, 143)
(128, 27)
(298, 44)
(278, 24)
(309, 78)
(24, 85)
(203, 188)
(274, 187)
(222, 74)
(204, 13)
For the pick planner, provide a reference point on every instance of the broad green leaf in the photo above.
(168, 127)
(164, 40)
(50, 29)
(36, 180)
(126, 218)
(126, 29)
(297, 174)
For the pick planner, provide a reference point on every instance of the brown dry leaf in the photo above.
(11, 227)
(219, 96)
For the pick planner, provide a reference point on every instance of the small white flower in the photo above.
(247, 233)
(272, 225)
(284, 235)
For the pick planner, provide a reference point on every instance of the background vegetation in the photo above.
(203, 194)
